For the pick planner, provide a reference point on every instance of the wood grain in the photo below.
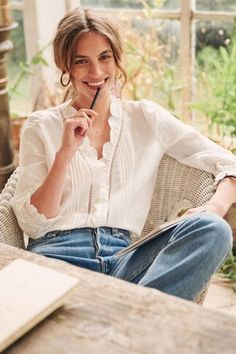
(108, 315)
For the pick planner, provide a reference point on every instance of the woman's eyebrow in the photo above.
(108, 51)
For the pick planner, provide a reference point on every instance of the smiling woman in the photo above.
(87, 175)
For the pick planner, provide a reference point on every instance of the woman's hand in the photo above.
(210, 207)
(75, 130)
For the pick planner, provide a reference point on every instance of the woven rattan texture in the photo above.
(178, 187)
(10, 231)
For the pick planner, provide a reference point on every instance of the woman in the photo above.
(87, 175)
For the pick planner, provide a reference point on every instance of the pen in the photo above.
(95, 98)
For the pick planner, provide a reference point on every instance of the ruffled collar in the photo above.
(115, 123)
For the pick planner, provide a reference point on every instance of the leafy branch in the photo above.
(26, 69)
(228, 270)
(217, 73)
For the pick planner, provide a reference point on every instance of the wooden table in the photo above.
(110, 316)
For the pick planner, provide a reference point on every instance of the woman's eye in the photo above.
(81, 61)
(105, 57)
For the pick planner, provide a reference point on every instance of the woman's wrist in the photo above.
(217, 207)
(63, 158)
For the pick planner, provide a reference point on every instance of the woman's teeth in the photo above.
(96, 84)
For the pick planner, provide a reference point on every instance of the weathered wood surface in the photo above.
(107, 315)
(27, 300)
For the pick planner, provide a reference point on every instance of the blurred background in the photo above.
(180, 53)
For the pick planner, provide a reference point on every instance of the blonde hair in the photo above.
(73, 26)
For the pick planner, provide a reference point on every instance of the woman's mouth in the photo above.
(95, 84)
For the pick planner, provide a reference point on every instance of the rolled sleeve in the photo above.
(227, 172)
(31, 222)
(32, 172)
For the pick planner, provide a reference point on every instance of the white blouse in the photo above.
(115, 190)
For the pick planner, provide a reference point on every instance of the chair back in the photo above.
(10, 232)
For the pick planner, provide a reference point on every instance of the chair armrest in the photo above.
(10, 232)
(178, 187)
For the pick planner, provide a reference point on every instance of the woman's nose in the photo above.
(95, 69)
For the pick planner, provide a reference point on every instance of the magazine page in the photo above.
(151, 235)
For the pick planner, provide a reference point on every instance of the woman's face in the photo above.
(94, 67)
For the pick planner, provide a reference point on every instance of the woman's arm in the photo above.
(191, 148)
(47, 198)
(187, 145)
(222, 200)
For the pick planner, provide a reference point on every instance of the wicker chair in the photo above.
(178, 187)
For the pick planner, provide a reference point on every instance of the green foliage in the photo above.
(26, 69)
(217, 73)
(169, 4)
(228, 270)
(151, 73)
(148, 5)
(112, 3)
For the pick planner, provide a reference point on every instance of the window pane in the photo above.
(19, 88)
(133, 4)
(216, 5)
(152, 60)
(112, 3)
(215, 90)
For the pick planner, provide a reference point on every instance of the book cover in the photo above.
(29, 292)
(151, 235)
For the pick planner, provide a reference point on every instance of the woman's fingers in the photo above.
(76, 127)
(85, 127)
(86, 113)
(81, 126)
(90, 113)
(82, 121)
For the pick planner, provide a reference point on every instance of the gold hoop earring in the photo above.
(61, 80)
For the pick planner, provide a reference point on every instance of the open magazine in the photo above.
(151, 235)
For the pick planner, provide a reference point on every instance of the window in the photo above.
(18, 94)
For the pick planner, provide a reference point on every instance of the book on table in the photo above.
(29, 292)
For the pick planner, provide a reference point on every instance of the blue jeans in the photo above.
(180, 261)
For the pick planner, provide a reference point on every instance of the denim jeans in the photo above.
(180, 261)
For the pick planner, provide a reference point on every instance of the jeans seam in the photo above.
(138, 271)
